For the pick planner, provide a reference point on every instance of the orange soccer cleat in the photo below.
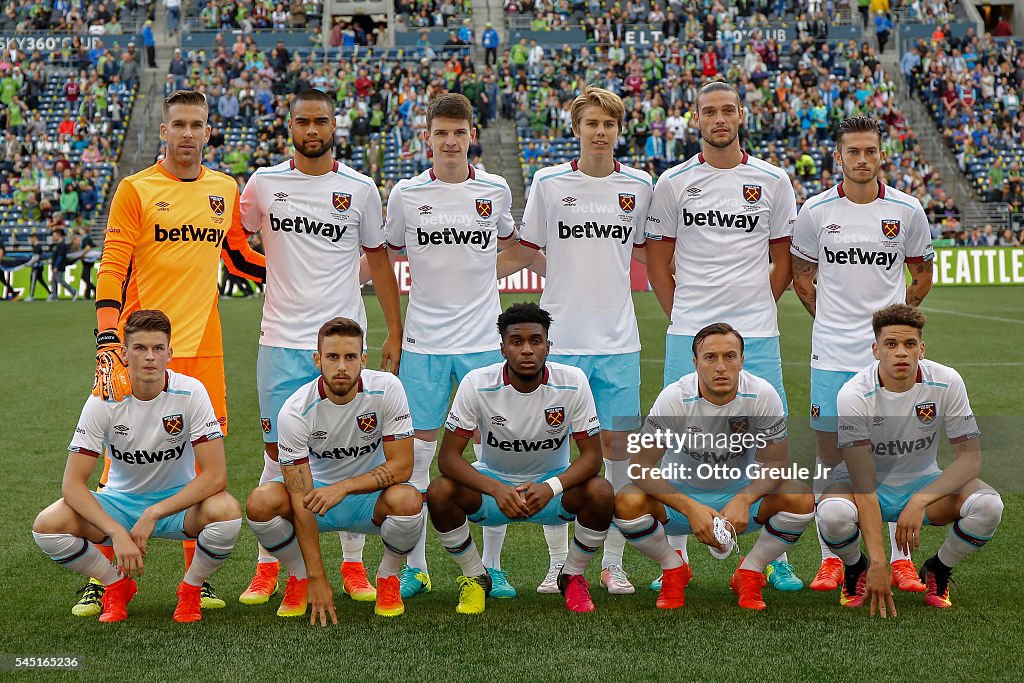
(829, 576)
(904, 577)
(389, 597)
(294, 602)
(673, 587)
(116, 598)
(747, 584)
(357, 585)
(188, 609)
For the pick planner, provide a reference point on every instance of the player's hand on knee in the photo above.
(111, 382)
(142, 530)
(511, 502)
(702, 523)
(536, 495)
(908, 527)
(129, 556)
(878, 590)
(319, 501)
(737, 512)
(321, 601)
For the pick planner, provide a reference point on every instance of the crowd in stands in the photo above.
(431, 13)
(74, 16)
(248, 15)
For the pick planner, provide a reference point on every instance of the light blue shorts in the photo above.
(490, 514)
(615, 382)
(428, 380)
(679, 525)
(354, 513)
(127, 508)
(762, 357)
(279, 374)
(893, 498)
(825, 386)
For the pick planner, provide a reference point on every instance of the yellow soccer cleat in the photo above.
(357, 585)
(208, 599)
(294, 602)
(91, 602)
(473, 592)
(389, 597)
(262, 586)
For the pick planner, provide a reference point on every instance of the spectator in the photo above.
(1007, 239)
(38, 265)
(149, 43)
(173, 15)
(490, 41)
(59, 263)
(883, 27)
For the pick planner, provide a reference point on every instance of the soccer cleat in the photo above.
(209, 599)
(576, 590)
(262, 586)
(294, 602)
(747, 584)
(782, 577)
(904, 577)
(549, 585)
(829, 576)
(389, 597)
(614, 578)
(413, 581)
(189, 599)
(91, 602)
(673, 587)
(936, 584)
(500, 587)
(473, 592)
(854, 584)
(116, 598)
(357, 585)
(656, 584)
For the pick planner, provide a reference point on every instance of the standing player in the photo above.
(714, 223)
(889, 417)
(588, 215)
(169, 227)
(345, 453)
(524, 465)
(315, 214)
(718, 419)
(449, 220)
(849, 246)
(156, 436)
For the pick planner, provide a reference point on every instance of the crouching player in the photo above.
(721, 415)
(889, 418)
(345, 448)
(525, 409)
(155, 438)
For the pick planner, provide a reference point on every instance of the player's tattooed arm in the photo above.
(804, 274)
(920, 282)
(382, 475)
(396, 469)
(297, 478)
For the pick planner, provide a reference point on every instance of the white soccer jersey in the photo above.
(524, 436)
(707, 434)
(313, 227)
(450, 233)
(149, 442)
(903, 428)
(588, 227)
(860, 250)
(341, 442)
(722, 221)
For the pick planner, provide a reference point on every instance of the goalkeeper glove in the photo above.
(112, 381)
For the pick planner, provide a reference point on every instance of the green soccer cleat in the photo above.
(782, 577)
(473, 592)
(208, 599)
(413, 581)
(500, 587)
(91, 602)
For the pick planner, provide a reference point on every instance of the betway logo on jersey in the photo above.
(524, 445)
(719, 219)
(301, 224)
(855, 256)
(144, 457)
(350, 452)
(592, 230)
(481, 238)
(896, 447)
(187, 233)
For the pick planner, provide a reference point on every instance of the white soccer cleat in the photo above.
(550, 583)
(615, 580)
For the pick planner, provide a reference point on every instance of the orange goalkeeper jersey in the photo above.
(164, 242)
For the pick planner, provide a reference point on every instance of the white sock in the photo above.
(417, 557)
(271, 470)
(980, 516)
(678, 543)
(461, 547)
(423, 456)
(779, 532)
(585, 543)
(399, 534)
(494, 541)
(78, 555)
(646, 534)
(352, 546)
(557, 538)
(616, 472)
(213, 545)
(278, 537)
(837, 523)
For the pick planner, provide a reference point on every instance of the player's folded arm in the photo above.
(76, 493)
(453, 465)
(588, 464)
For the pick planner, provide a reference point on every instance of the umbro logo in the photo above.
(877, 420)
(693, 191)
(426, 209)
(280, 196)
(162, 206)
(121, 429)
(319, 435)
(568, 201)
(833, 229)
(498, 420)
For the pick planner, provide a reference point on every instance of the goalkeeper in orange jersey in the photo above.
(169, 227)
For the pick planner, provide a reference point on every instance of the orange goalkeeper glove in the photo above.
(112, 381)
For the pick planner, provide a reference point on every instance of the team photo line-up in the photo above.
(349, 449)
